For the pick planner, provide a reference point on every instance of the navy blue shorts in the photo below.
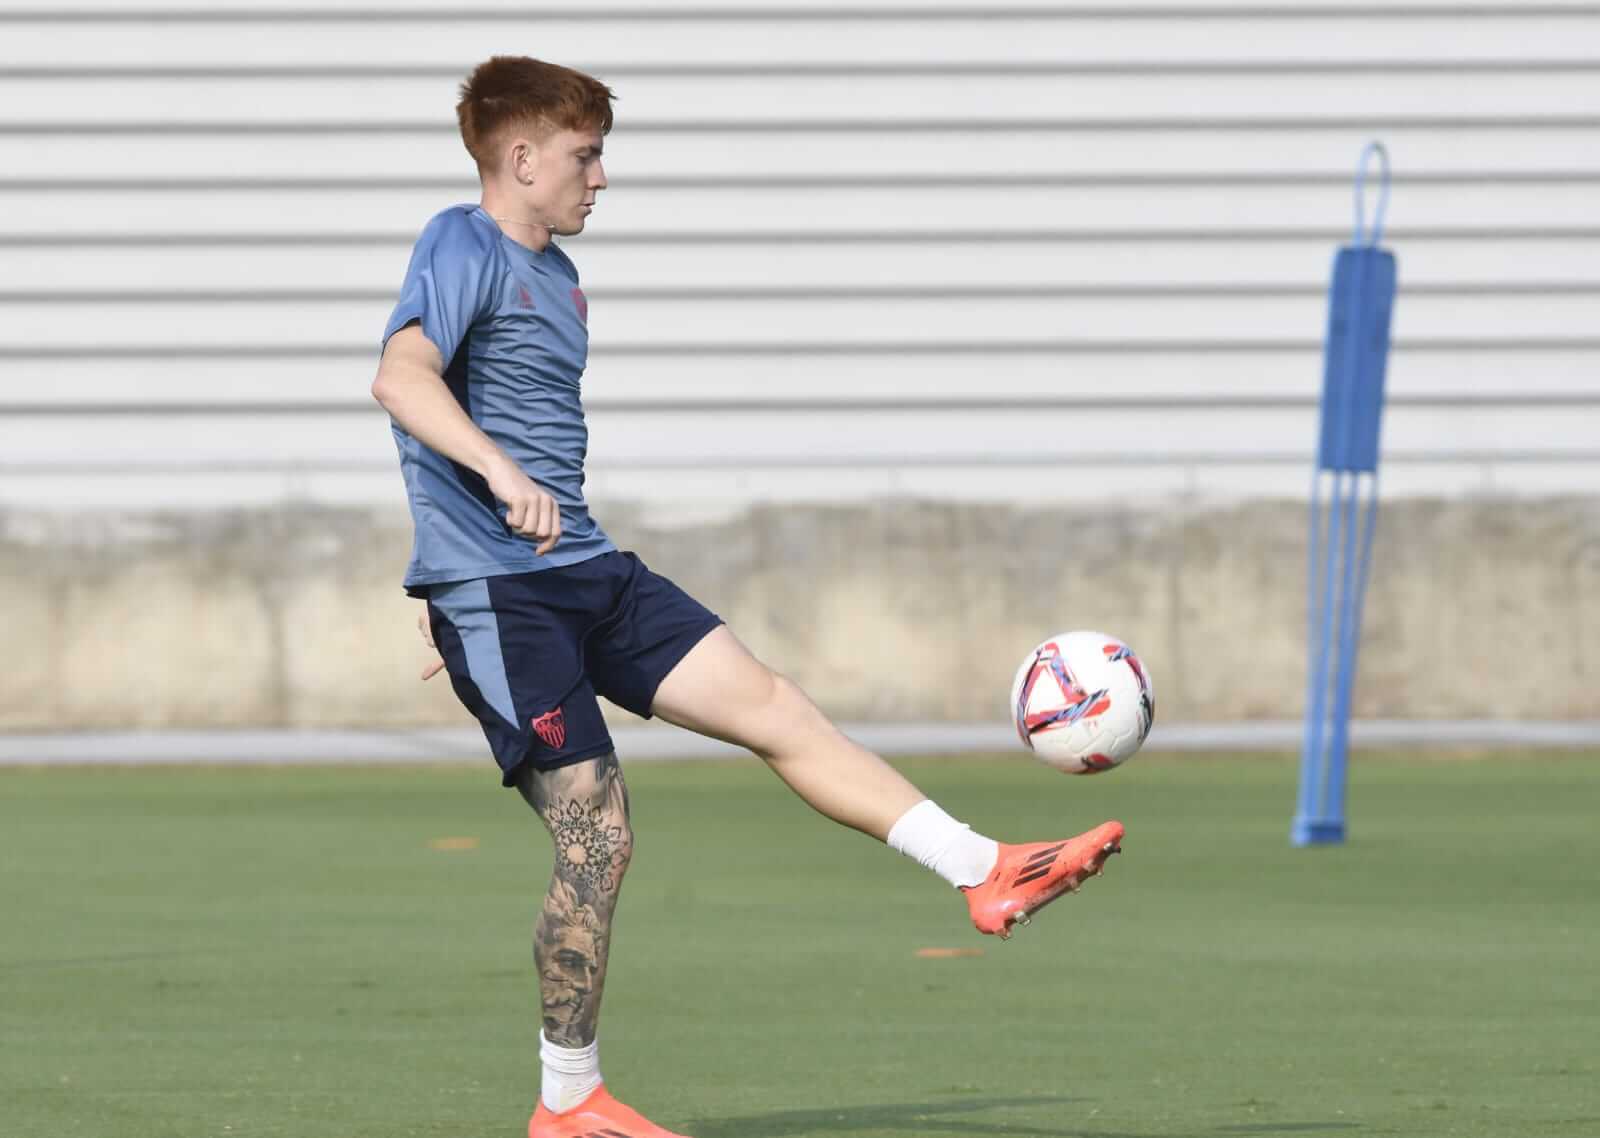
(528, 652)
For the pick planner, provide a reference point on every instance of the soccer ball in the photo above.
(1082, 702)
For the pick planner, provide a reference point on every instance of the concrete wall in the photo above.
(293, 616)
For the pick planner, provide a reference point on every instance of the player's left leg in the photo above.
(584, 805)
(721, 690)
(585, 808)
(513, 646)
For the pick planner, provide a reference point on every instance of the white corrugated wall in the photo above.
(1014, 251)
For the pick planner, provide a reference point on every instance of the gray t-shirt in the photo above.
(512, 326)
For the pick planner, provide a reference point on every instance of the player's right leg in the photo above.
(720, 689)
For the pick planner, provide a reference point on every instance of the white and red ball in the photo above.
(1082, 702)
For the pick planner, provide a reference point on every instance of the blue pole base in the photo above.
(1317, 832)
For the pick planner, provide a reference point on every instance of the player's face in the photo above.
(568, 176)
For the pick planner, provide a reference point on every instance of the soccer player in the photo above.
(535, 612)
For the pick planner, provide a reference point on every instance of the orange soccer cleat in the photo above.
(1027, 878)
(598, 1116)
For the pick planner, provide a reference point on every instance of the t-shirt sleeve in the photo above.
(447, 285)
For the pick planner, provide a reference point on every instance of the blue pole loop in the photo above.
(1362, 236)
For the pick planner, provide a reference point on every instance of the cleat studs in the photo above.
(1022, 918)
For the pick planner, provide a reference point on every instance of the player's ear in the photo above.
(521, 160)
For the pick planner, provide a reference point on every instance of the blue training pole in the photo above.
(1343, 508)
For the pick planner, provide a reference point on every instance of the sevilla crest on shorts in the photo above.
(552, 728)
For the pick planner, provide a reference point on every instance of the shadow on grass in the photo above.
(948, 1118)
(1286, 1127)
(910, 1117)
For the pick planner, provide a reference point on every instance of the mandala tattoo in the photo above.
(585, 808)
(585, 845)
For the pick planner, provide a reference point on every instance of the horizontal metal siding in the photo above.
(1066, 154)
(1029, 99)
(934, 249)
(875, 323)
(1167, 380)
(697, 215)
(753, 37)
(1470, 262)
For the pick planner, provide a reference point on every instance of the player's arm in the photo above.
(410, 386)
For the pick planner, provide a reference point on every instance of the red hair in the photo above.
(509, 91)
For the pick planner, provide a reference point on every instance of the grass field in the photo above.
(287, 952)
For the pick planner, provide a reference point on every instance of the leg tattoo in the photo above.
(585, 808)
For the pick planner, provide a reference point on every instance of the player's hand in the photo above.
(529, 510)
(436, 665)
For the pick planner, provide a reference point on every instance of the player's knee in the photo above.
(594, 845)
(785, 696)
(622, 844)
(786, 716)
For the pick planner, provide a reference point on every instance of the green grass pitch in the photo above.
(285, 952)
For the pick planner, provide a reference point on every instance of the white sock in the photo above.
(569, 1074)
(930, 837)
